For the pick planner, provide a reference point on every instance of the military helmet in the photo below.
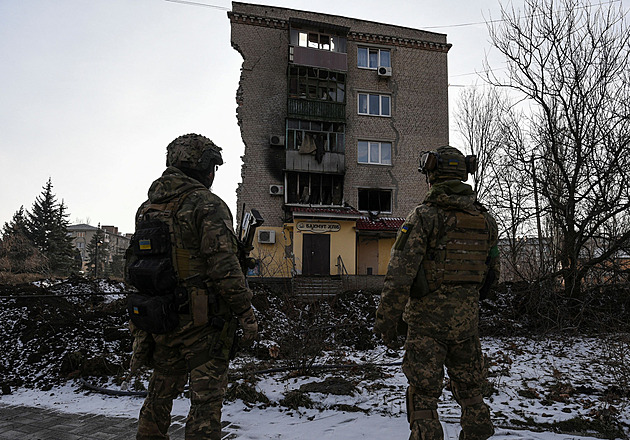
(447, 163)
(193, 152)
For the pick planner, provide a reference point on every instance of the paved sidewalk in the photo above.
(29, 423)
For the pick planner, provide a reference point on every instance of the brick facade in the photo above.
(417, 87)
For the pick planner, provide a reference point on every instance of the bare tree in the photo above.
(490, 128)
(569, 60)
(477, 118)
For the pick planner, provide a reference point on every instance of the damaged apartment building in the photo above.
(334, 113)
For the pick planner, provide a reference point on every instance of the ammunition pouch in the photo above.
(198, 303)
(151, 271)
(153, 314)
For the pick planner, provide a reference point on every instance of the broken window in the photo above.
(308, 136)
(317, 40)
(315, 83)
(314, 189)
(375, 200)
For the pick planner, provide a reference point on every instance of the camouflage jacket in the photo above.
(451, 311)
(205, 230)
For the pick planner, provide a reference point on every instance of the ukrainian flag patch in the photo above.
(403, 235)
(453, 163)
(145, 245)
(136, 311)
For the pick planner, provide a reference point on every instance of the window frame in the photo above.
(333, 132)
(369, 110)
(304, 188)
(317, 84)
(325, 41)
(369, 51)
(377, 192)
(368, 146)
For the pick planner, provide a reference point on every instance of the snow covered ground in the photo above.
(544, 385)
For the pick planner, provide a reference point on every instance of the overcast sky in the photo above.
(93, 91)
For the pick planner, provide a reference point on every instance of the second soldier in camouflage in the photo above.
(444, 253)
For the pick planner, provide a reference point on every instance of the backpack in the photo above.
(151, 270)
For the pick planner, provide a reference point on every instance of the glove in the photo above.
(387, 331)
(248, 323)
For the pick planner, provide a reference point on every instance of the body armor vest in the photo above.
(461, 251)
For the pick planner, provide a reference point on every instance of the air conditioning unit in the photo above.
(277, 141)
(266, 236)
(276, 190)
(384, 71)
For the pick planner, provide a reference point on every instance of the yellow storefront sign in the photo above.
(318, 227)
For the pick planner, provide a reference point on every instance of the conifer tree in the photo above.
(62, 252)
(47, 227)
(17, 223)
(18, 254)
(97, 253)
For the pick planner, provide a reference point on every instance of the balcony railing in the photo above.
(331, 162)
(322, 110)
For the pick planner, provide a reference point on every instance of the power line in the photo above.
(184, 2)
(476, 23)
(500, 19)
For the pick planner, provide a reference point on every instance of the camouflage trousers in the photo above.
(208, 383)
(423, 365)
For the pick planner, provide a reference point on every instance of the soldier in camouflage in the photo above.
(197, 351)
(445, 254)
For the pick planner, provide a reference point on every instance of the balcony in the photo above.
(334, 163)
(321, 110)
(307, 56)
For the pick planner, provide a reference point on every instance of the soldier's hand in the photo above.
(142, 355)
(139, 361)
(248, 323)
(387, 331)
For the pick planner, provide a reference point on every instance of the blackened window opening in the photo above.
(375, 200)
(314, 189)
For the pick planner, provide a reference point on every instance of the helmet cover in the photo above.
(193, 152)
(446, 163)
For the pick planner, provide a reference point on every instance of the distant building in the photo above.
(115, 243)
(334, 113)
